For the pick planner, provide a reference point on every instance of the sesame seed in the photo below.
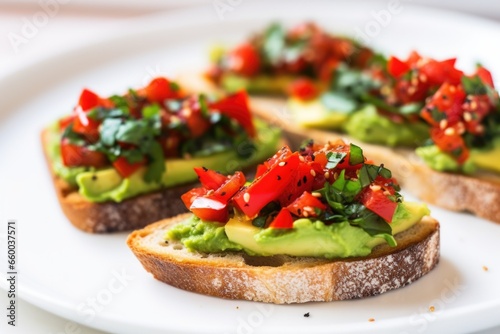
(313, 173)
(305, 214)
(371, 320)
(246, 197)
(485, 268)
(449, 131)
(423, 77)
(443, 124)
(480, 128)
(452, 89)
(281, 164)
(467, 116)
(473, 105)
(210, 192)
(301, 158)
(315, 194)
(375, 187)
(412, 90)
(432, 308)
(327, 175)
(308, 208)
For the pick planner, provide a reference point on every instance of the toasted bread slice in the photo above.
(478, 193)
(127, 215)
(286, 279)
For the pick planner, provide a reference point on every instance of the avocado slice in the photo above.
(314, 238)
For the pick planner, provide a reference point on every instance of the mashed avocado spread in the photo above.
(307, 238)
(106, 184)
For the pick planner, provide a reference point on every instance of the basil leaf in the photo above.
(375, 226)
(368, 174)
(346, 189)
(334, 159)
(473, 85)
(356, 155)
(150, 110)
(156, 166)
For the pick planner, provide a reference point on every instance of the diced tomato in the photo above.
(477, 107)
(160, 89)
(396, 67)
(212, 204)
(301, 181)
(450, 141)
(189, 197)
(485, 76)
(125, 168)
(85, 125)
(386, 184)
(447, 99)
(65, 121)
(284, 219)
(283, 153)
(88, 100)
(413, 59)
(261, 169)
(267, 188)
(210, 209)
(380, 204)
(304, 205)
(438, 72)
(227, 190)
(76, 156)
(303, 89)
(408, 92)
(244, 60)
(210, 179)
(321, 159)
(236, 106)
(197, 124)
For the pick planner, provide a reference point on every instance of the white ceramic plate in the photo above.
(95, 279)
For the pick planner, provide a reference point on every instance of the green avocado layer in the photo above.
(107, 185)
(307, 238)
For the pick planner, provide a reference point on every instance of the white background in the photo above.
(72, 23)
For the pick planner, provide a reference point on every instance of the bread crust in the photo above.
(105, 217)
(286, 279)
(478, 194)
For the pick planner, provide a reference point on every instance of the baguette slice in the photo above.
(104, 217)
(286, 279)
(478, 194)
